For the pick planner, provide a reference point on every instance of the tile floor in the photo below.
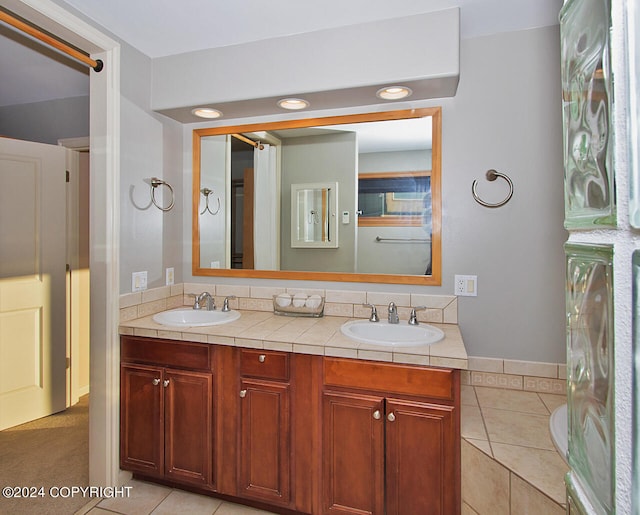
(512, 427)
(148, 498)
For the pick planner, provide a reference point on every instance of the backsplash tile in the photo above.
(346, 297)
(528, 368)
(401, 299)
(265, 292)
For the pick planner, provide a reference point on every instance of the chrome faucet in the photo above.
(374, 312)
(393, 313)
(225, 305)
(211, 304)
(413, 318)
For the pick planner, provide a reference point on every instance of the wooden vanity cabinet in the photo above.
(391, 439)
(300, 433)
(166, 410)
(265, 426)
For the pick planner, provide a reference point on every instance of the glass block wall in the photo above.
(590, 360)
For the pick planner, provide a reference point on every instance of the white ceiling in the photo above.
(166, 27)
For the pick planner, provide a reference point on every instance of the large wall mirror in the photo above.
(381, 208)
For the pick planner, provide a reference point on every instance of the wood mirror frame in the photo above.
(436, 245)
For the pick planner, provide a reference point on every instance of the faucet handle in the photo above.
(374, 313)
(225, 305)
(196, 302)
(413, 319)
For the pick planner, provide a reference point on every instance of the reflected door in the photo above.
(32, 281)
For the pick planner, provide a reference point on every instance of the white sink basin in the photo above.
(391, 335)
(189, 317)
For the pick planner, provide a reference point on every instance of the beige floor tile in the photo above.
(237, 509)
(517, 428)
(100, 511)
(552, 401)
(513, 400)
(468, 396)
(187, 503)
(468, 510)
(483, 445)
(87, 507)
(144, 498)
(526, 500)
(543, 469)
(485, 483)
(471, 423)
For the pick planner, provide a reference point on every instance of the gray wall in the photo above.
(48, 121)
(150, 146)
(320, 159)
(506, 115)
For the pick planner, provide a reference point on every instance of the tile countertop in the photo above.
(320, 336)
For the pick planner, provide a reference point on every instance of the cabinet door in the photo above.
(353, 454)
(141, 419)
(265, 435)
(421, 456)
(188, 440)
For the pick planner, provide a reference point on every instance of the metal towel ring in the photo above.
(491, 176)
(155, 182)
(207, 192)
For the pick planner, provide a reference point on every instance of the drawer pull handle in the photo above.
(165, 383)
(391, 417)
(243, 393)
(376, 414)
(156, 382)
(261, 358)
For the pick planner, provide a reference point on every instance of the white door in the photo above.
(32, 281)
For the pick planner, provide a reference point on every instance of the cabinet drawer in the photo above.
(165, 353)
(392, 378)
(264, 364)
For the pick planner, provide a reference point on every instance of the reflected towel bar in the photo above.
(405, 240)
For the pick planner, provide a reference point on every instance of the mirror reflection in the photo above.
(353, 198)
(313, 215)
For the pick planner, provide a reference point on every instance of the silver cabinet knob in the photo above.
(376, 414)
(261, 358)
(391, 417)
(156, 382)
(165, 383)
(243, 393)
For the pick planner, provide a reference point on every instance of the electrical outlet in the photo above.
(466, 285)
(138, 281)
(169, 276)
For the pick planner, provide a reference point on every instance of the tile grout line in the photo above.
(484, 424)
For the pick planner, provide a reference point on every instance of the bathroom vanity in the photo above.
(287, 431)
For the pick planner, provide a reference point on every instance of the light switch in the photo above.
(138, 281)
(345, 217)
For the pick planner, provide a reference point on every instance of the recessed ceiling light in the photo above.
(293, 103)
(393, 92)
(206, 112)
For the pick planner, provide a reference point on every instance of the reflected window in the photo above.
(400, 199)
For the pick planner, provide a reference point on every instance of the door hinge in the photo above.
(67, 176)
(68, 363)
(68, 267)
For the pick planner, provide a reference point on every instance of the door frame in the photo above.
(104, 101)
(76, 284)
